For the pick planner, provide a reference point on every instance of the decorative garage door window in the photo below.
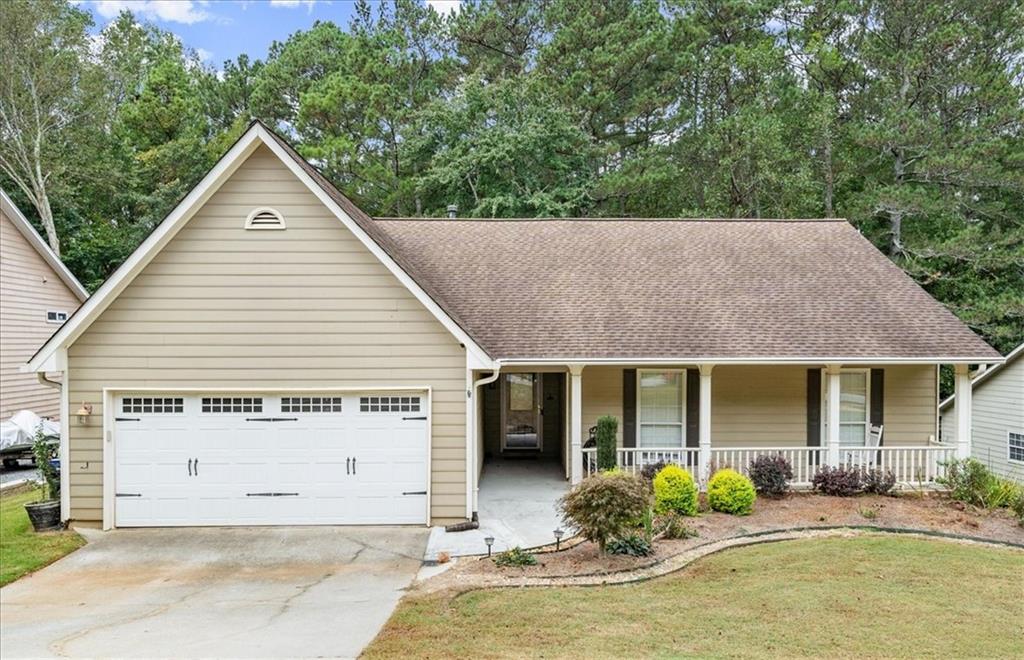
(150, 404)
(389, 404)
(232, 404)
(311, 404)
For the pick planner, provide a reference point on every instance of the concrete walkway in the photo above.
(517, 506)
(213, 592)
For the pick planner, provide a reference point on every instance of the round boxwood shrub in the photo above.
(731, 492)
(674, 491)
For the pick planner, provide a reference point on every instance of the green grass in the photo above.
(22, 550)
(870, 596)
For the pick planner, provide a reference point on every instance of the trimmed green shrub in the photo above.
(1017, 505)
(633, 545)
(607, 428)
(515, 557)
(771, 474)
(731, 492)
(606, 505)
(841, 482)
(675, 491)
(879, 482)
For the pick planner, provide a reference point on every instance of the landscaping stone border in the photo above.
(683, 559)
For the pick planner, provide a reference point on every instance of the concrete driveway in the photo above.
(224, 592)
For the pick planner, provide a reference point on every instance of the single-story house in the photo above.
(37, 294)
(271, 354)
(997, 417)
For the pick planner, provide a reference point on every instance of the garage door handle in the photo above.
(190, 467)
(348, 466)
(422, 418)
(196, 467)
(353, 465)
(271, 419)
(415, 492)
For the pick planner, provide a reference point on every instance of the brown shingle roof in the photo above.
(669, 288)
(684, 289)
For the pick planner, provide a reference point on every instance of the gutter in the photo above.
(474, 443)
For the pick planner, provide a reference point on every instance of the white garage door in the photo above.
(257, 459)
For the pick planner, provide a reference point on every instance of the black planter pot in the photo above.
(45, 516)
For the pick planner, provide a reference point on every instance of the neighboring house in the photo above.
(997, 417)
(37, 294)
(272, 355)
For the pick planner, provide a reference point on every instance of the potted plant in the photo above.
(45, 514)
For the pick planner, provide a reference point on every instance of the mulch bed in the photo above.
(920, 511)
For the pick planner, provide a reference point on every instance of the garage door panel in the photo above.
(328, 463)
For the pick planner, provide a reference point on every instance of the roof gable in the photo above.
(25, 228)
(987, 375)
(51, 358)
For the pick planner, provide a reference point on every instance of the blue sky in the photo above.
(222, 29)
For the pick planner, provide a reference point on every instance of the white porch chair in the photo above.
(865, 457)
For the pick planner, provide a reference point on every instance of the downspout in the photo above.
(471, 458)
(65, 501)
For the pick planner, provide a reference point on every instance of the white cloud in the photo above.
(172, 11)
(444, 7)
(204, 54)
(291, 4)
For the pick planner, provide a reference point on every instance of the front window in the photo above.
(660, 413)
(854, 415)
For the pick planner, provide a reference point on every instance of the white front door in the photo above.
(258, 459)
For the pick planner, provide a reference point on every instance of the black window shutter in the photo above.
(814, 407)
(629, 407)
(877, 397)
(692, 408)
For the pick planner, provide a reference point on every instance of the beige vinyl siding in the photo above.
(766, 406)
(28, 289)
(306, 307)
(998, 409)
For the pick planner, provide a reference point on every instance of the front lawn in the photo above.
(22, 550)
(867, 596)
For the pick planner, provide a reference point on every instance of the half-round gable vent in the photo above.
(264, 218)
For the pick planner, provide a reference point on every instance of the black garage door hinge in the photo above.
(415, 492)
(271, 419)
(127, 494)
(271, 494)
(127, 419)
(423, 418)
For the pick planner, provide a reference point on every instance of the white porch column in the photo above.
(704, 422)
(962, 401)
(832, 421)
(576, 420)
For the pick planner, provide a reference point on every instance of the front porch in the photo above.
(710, 416)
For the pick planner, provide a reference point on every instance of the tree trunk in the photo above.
(46, 215)
(830, 181)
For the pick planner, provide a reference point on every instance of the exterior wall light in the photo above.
(84, 412)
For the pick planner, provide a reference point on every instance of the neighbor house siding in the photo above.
(306, 307)
(765, 406)
(28, 289)
(998, 409)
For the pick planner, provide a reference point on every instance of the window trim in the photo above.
(682, 406)
(56, 313)
(174, 399)
(867, 409)
(1008, 452)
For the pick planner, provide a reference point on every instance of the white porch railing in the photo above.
(633, 459)
(805, 460)
(912, 466)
